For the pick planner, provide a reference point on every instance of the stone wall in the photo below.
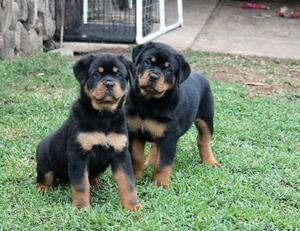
(25, 25)
(73, 13)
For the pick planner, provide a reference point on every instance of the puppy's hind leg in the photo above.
(204, 142)
(47, 182)
(205, 125)
(45, 174)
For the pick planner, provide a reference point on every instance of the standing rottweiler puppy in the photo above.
(163, 103)
(94, 136)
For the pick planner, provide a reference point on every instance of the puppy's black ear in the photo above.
(81, 68)
(130, 68)
(138, 51)
(184, 69)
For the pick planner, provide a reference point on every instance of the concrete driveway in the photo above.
(228, 28)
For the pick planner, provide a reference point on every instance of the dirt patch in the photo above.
(261, 76)
(258, 83)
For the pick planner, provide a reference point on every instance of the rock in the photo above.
(48, 25)
(23, 10)
(8, 44)
(23, 36)
(42, 6)
(36, 40)
(1, 41)
(30, 41)
(6, 9)
(32, 14)
(63, 52)
(18, 36)
(15, 13)
(49, 45)
(25, 24)
(39, 27)
(51, 6)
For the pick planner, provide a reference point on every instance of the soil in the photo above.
(267, 79)
(257, 83)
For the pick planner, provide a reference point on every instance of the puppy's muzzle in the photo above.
(105, 92)
(109, 95)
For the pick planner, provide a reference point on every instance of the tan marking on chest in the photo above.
(89, 139)
(155, 128)
(134, 123)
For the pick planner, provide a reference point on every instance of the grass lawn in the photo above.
(257, 141)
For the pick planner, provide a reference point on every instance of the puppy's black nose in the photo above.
(109, 85)
(154, 76)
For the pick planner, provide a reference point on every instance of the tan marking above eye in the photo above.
(153, 59)
(167, 64)
(115, 69)
(89, 139)
(100, 69)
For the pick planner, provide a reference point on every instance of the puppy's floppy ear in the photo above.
(184, 69)
(138, 51)
(130, 68)
(81, 68)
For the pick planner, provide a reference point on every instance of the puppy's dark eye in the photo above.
(96, 75)
(169, 71)
(147, 62)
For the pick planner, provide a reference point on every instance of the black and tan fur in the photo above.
(94, 136)
(163, 103)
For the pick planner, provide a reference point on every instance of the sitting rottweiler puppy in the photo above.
(163, 103)
(94, 136)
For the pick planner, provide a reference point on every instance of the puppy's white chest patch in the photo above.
(89, 139)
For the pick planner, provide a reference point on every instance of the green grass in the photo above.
(257, 141)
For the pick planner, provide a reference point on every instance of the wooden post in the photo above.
(62, 22)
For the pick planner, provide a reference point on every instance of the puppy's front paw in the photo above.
(161, 178)
(138, 175)
(161, 183)
(212, 163)
(133, 206)
(41, 188)
(81, 205)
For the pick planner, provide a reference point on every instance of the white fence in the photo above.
(153, 17)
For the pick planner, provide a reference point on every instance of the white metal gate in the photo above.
(152, 18)
(164, 9)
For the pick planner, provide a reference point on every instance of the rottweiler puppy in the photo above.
(94, 136)
(163, 103)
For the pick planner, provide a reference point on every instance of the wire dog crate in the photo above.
(122, 21)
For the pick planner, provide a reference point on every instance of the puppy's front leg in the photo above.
(153, 155)
(79, 180)
(163, 165)
(123, 174)
(137, 148)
